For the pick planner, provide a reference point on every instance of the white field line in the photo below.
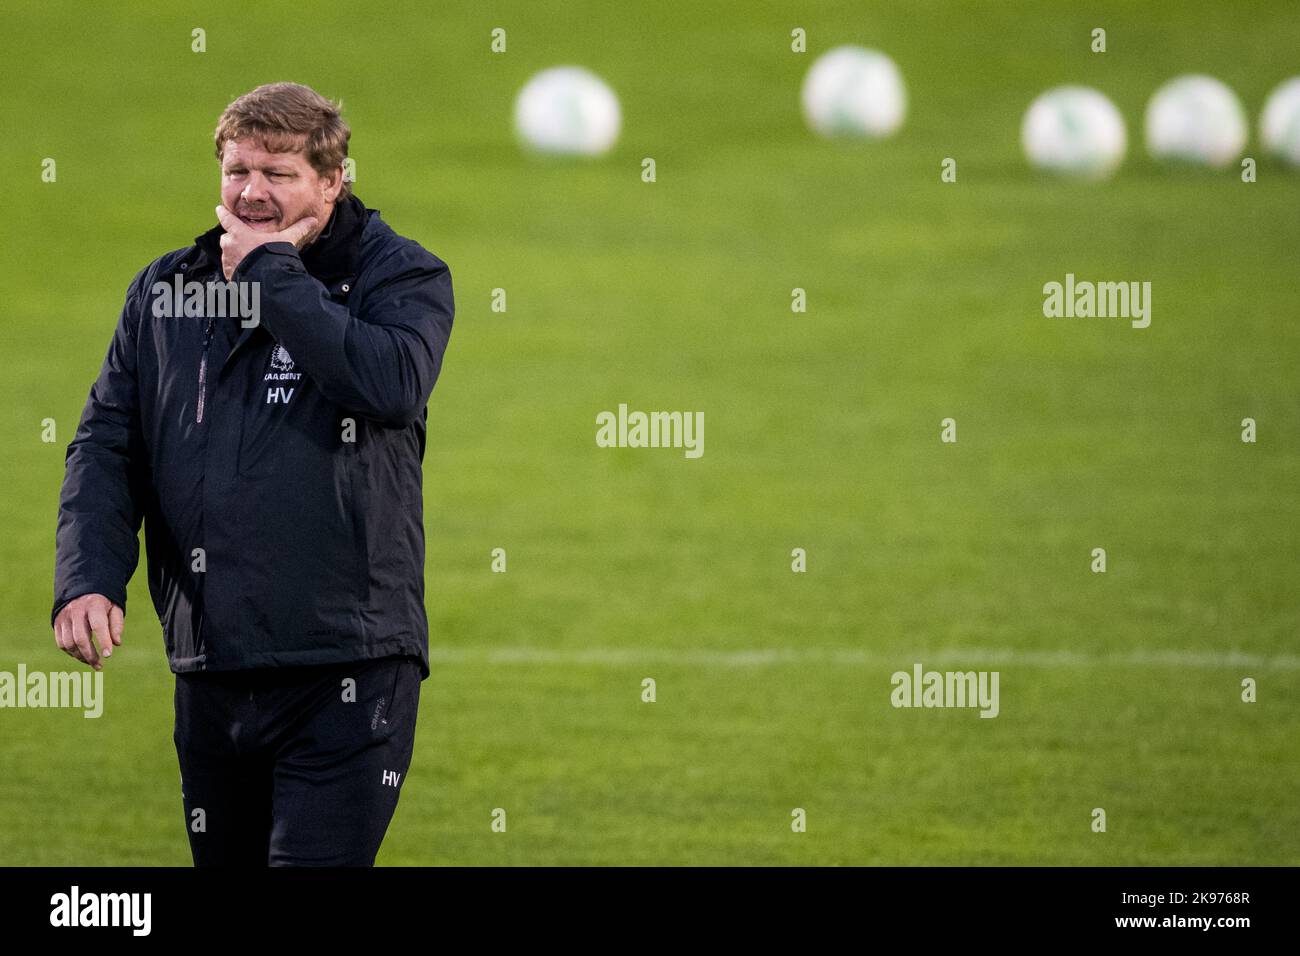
(760, 657)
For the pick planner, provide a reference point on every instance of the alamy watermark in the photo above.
(179, 299)
(922, 688)
(79, 690)
(76, 909)
(1084, 300)
(651, 430)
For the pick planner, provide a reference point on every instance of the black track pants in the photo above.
(297, 766)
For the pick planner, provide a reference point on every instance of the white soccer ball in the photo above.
(1279, 126)
(568, 110)
(853, 91)
(1075, 130)
(1196, 119)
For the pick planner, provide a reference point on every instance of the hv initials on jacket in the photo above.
(276, 467)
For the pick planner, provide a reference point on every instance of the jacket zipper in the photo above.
(203, 369)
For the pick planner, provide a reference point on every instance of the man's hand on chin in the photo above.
(241, 239)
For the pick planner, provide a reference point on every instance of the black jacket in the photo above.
(276, 468)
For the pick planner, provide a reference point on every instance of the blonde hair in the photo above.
(288, 117)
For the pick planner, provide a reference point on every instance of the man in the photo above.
(274, 456)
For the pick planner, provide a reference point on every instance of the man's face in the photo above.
(272, 191)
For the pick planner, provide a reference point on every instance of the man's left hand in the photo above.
(240, 240)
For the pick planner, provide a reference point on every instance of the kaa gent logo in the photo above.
(281, 361)
(281, 371)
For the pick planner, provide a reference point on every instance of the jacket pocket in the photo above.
(358, 499)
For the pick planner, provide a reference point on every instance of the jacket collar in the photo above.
(335, 254)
